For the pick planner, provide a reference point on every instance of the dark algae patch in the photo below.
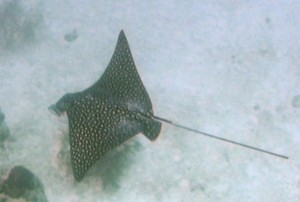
(22, 183)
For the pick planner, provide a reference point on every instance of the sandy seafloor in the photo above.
(230, 68)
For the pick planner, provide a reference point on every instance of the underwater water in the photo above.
(229, 68)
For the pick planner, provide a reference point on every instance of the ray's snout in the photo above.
(54, 110)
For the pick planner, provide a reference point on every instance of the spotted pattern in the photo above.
(109, 112)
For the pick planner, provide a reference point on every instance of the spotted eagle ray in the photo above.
(111, 111)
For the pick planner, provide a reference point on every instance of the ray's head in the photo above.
(61, 105)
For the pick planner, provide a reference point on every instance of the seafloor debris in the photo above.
(2, 117)
(22, 184)
(72, 36)
(4, 131)
(296, 101)
(19, 21)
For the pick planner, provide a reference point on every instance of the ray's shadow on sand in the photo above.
(111, 167)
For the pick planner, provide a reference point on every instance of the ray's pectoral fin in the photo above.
(92, 138)
(151, 129)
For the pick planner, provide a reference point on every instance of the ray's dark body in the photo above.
(109, 112)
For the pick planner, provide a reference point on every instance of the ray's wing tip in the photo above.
(122, 35)
(78, 178)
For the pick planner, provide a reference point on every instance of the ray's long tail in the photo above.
(219, 138)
